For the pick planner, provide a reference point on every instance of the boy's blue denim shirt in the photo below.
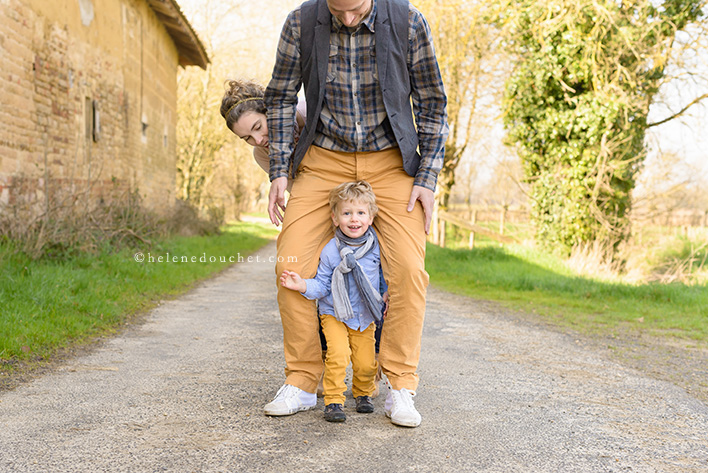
(320, 287)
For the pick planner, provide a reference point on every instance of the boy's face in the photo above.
(353, 218)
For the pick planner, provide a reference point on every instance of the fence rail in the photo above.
(688, 222)
(473, 228)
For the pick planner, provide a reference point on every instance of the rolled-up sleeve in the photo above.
(429, 100)
(281, 97)
(321, 285)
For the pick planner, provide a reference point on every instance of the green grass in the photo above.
(49, 304)
(523, 279)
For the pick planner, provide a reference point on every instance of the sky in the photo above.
(686, 136)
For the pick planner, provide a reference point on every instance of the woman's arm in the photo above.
(300, 117)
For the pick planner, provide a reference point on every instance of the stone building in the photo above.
(89, 95)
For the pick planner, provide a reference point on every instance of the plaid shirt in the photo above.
(353, 115)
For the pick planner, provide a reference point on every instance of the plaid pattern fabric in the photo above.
(353, 115)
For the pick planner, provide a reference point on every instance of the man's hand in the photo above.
(276, 200)
(293, 281)
(427, 200)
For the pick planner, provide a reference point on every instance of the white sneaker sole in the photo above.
(286, 412)
(410, 423)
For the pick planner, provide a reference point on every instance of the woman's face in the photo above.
(252, 128)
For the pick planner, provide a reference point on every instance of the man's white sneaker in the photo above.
(399, 407)
(290, 400)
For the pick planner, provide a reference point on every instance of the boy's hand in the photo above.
(291, 280)
(385, 299)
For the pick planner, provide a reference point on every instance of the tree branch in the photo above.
(679, 113)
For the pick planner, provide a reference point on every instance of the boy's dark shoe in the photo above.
(364, 405)
(334, 413)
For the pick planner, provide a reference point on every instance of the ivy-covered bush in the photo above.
(576, 107)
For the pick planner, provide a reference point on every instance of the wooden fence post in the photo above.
(442, 233)
(502, 220)
(435, 221)
(474, 220)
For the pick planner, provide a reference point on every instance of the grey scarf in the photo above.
(340, 296)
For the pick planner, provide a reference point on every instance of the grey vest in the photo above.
(391, 38)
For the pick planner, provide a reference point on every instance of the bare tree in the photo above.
(215, 170)
(467, 46)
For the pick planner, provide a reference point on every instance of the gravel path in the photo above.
(184, 391)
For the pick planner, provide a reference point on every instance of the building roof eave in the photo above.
(189, 47)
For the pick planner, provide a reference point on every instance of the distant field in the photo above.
(525, 278)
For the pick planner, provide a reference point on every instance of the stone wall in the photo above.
(68, 63)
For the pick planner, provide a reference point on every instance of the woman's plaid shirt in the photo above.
(353, 117)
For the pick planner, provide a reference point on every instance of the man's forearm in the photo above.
(432, 154)
(280, 142)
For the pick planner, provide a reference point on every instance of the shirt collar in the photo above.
(368, 21)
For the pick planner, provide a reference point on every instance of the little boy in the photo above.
(347, 287)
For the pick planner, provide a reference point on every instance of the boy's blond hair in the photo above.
(359, 191)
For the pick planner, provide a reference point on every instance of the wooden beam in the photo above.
(190, 48)
(476, 228)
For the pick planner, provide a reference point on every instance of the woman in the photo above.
(244, 111)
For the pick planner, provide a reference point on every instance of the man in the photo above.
(363, 63)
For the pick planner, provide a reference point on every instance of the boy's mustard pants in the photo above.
(345, 344)
(307, 227)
